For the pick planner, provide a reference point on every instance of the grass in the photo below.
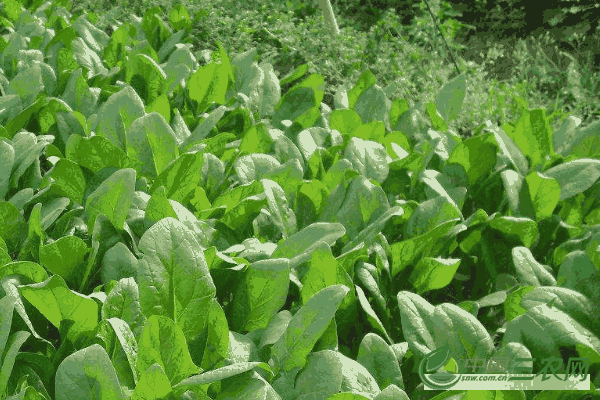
(535, 69)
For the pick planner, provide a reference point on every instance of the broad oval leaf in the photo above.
(379, 359)
(306, 327)
(87, 374)
(162, 342)
(575, 176)
(173, 276)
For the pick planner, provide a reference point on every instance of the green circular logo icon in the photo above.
(434, 361)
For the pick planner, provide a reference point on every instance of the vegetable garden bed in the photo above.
(179, 228)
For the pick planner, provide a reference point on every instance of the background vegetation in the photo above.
(547, 58)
